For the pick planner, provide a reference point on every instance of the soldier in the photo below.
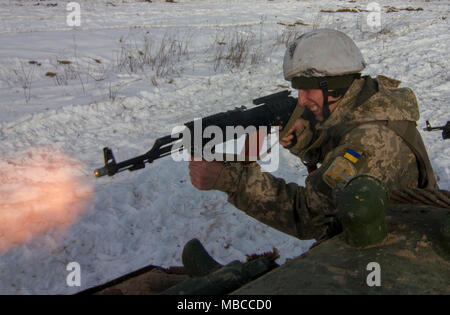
(352, 125)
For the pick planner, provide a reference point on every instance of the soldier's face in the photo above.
(313, 100)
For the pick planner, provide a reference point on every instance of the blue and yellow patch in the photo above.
(352, 156)
(342, 169)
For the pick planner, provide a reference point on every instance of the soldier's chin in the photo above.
(309, 115)
(318, 117)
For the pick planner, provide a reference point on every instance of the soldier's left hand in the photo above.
(204, 174)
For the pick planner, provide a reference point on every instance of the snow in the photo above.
(145, 217)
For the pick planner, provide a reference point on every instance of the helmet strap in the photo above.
(323, 84)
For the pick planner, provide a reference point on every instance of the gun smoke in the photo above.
(41, 191)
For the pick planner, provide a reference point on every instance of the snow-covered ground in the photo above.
(103, 93)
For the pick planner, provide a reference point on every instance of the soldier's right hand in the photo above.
(204, 174)
(298, 128)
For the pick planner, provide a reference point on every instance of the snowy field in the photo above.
(126, 76)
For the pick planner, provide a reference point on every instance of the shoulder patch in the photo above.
(352, 156)
(340, 170)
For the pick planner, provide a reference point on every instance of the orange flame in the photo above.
(40, 191)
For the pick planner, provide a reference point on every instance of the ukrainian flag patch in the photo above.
(341, 170)
(352, 156)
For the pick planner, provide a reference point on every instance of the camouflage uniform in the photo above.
(359, 126)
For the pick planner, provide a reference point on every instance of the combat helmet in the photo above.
(323, 59)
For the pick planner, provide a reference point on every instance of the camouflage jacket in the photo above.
(351, 141)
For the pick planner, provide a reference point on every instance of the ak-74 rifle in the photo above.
(274, 110)
(445, 129)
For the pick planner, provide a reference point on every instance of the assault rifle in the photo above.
(273, 110)
(445, 129)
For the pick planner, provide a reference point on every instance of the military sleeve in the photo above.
(384, 155)
(268, 199)
(367, 149)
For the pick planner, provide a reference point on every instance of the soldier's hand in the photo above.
(298, 128)
(204, 174)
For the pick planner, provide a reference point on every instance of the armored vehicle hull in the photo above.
(412, 260)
